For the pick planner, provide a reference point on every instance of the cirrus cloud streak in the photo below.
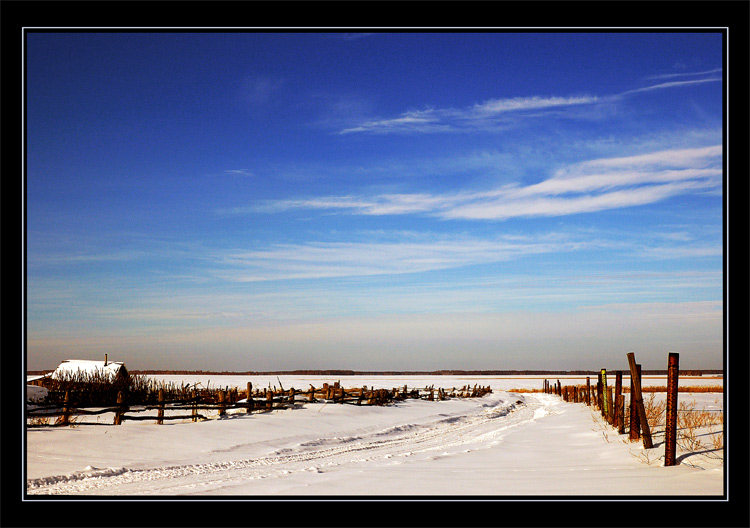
(589, 186)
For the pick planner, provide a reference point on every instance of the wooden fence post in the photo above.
(605, 409)
(120, 409)
(635, 422)
(222, 403)
(618, 392)
(620, 413)
(65, 418)
(588, 391)
(269, 400)
(195, 405)
(160, 412)
(670, 442)
(249, 398)
(647, 443)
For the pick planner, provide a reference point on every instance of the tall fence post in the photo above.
(120, 409)
(635, 422)
(618, 392)
(605, 407)
(222, 403)
(249, 398)
(588, 391)
(65, 418)
(646, 430)
(620, 413)
(194, 405)
(160, 412)
(670, 442)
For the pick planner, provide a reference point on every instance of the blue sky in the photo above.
(380, 201)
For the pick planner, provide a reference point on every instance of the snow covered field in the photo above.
(503, 444)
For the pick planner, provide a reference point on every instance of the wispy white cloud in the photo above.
(548, 205)
(351, 259)
(238, 172)
(499, 106)
(684, 74)
(671, 84)
(491, 113)
(62, 258)
(589, 186)
(478, 115)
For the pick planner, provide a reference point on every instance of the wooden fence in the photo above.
(611, 403)
(195, 401)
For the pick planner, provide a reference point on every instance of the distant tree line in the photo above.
(339, 372)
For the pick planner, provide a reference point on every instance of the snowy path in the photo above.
(442, 437)
(502, 444)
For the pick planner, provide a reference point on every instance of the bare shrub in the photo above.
(654, 410)
(691, 420)
(717, 437)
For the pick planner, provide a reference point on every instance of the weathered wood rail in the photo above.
(248, 401)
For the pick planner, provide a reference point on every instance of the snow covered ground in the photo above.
(503, 444)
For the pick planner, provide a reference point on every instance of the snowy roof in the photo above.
(84, 366)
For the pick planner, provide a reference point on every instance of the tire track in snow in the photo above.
(477, 429)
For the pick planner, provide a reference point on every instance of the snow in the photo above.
(35, 394)
(503, 444)
(88, 367)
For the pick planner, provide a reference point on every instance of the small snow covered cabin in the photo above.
(72, 369)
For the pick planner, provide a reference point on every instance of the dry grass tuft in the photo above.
(690, 420)
(686, 388)
(655, 410)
